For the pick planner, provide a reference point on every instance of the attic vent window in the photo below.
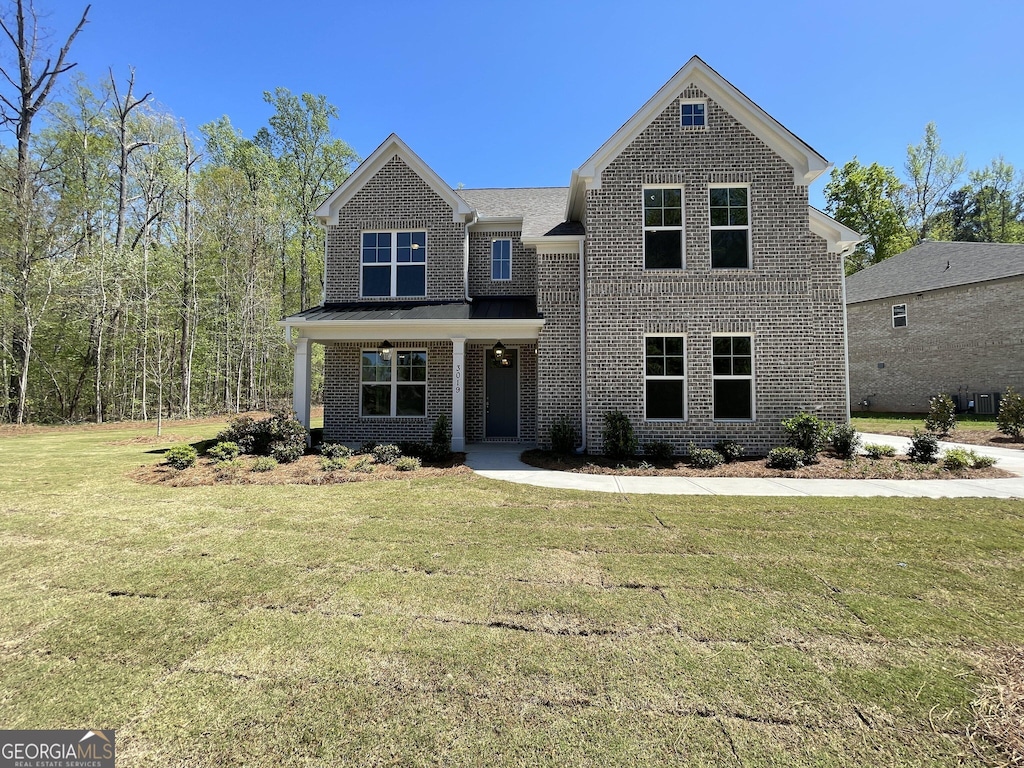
(691, 114)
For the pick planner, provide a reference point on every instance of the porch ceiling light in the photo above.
(385, 350)
(498, 350)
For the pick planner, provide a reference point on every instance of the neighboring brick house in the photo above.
(709, 304)
(938, 318)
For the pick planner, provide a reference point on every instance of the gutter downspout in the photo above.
(465, 258)
(583, 350)
(846, 330)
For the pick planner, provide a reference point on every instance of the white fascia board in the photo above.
(807, 163)
(327, 213)
(840, 238)
(555, 244)
(497, 223)
(418, 330)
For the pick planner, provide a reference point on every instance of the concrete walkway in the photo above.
(501, 462)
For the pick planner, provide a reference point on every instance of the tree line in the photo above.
(938, 198)
(143, 266)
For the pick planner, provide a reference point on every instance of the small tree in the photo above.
(619, 440)
(1010, 419)
(941, 417)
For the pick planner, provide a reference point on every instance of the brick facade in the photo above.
(524, 266)
(960, 341)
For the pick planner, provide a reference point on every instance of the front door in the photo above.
(502, 393)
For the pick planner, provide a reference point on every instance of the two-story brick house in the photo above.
(681, 278)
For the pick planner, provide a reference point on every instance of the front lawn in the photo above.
(462, 621)
(970, 428)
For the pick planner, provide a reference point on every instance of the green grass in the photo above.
(904, 423)
(462, 621)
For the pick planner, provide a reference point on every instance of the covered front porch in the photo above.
(391, 371)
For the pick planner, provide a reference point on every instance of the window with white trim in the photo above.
(663, 228)
(394, 264)
(692, 114)
(665, 377)
(395, 387)
(899, 315)
(730, 227)
(732, 374)
(501, 259)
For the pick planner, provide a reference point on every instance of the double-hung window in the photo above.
(732, 373)
(501, 259)
(395, 387)
(394, 264)
(899, 315)
(663, 228)
(665, 377)
(730, 227)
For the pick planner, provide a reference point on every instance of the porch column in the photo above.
(458, 393)
(301, 381)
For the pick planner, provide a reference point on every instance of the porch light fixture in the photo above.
(498, 350)
(384, 350)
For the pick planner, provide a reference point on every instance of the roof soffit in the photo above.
(393, 146)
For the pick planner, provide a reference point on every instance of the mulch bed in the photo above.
(863, 468)
(305, 471)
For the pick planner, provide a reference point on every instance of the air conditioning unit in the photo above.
(986, 402)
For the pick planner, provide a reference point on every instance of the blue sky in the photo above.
(520, 93)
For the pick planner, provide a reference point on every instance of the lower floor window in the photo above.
(393, 387)
(733, 377)
(665, 377)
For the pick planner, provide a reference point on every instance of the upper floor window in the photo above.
(730, 227)
(899, 315)
(394, 387)
(665, 377)
(501, 260)
(394, 264)
(732, 374)
(663, 228)
(692, 114)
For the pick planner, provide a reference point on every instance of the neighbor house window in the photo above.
(730, 227)
(899, 315)
(394, 264)
(663, 228)
(501, 260)
(395, 387)
(665, 377)
(732, 374)
(691, 114)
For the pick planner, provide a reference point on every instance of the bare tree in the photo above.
(32, 87)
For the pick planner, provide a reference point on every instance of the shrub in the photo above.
(264, 464)
(785, 458)
(563, 436)
(924, 447)
(181, 456)
(363, 464)
(334, 450)
(262, 437)
(731, 450)
(659, 450)
(224, 451)
(963, 458)
(1010, 419)
(619, 440)
(386, 453)
(941, 417)
(704, 458)
(407, 464)
(441, 437)
(845, 441)
(286, 451)
(333, 463)
(366, 449)
(424, 451)
(879, 451)
(807, 433)
(984, 462)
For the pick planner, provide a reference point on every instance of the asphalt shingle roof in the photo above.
(496, 308)
(542, 208)
(933, 265)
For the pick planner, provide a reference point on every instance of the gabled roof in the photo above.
(933, 265)
(807, 164)
(327, 213)
(541, 209)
